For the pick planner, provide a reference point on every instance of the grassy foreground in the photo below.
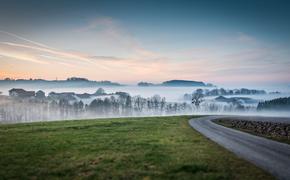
(129, 148)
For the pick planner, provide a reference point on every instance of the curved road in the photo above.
(269, 155)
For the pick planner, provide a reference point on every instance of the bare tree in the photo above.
(197, 98)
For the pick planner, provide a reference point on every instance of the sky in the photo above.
(221, 42)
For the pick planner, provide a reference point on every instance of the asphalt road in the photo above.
(269, 155)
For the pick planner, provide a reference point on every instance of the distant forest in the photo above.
(280, 104)
(62, 106)
(30, 106)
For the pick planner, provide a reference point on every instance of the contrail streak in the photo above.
(24, 39)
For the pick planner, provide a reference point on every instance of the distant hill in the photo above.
(69, 82)
(145, 84)
(177, 83)
(183, 83)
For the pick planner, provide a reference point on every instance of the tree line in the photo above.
(16, 109)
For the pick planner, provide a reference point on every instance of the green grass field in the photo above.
(127, 148)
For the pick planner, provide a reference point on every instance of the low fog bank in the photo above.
(20, 105)
(172, 94)
(249, 113)
(15, 110)
(93, 117)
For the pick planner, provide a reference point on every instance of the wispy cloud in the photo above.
(216, 64)
(116, 35)
(45, 55)
(42, 56)
(245, 38)
(24, 39)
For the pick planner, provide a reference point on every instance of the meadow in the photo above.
(120, 148)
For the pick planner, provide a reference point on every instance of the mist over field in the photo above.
(173, 94)
(74, 101)
(153, 58)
